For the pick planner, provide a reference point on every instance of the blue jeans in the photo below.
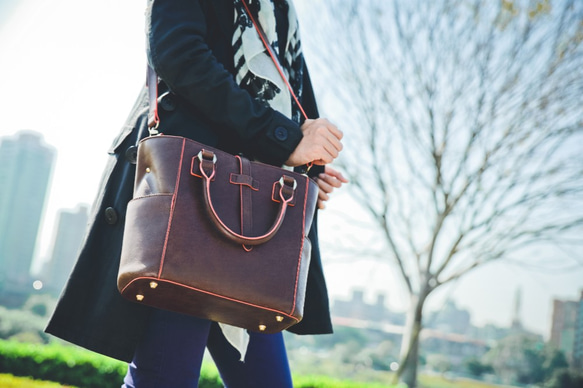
(170, 356)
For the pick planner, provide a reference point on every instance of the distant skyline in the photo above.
(72, 70)
(25, 176)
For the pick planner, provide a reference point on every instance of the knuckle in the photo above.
(321, 129)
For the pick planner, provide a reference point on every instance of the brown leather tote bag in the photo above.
(217, 236)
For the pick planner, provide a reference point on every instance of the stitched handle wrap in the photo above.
(287, 188)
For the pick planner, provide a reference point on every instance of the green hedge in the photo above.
(73, 366)
(9, 381)
(81, 368)
(63, 364)
(326, 382)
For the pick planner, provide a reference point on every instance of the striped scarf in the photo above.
(256, 73)
(255, 70)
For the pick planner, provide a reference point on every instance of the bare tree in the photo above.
(464, 123)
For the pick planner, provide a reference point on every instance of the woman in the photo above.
(215, 87)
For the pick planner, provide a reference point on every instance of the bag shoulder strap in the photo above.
(269, 49)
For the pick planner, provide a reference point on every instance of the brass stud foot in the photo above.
(148, 169)
(262, 327)
(140, 297)
(153, 285)
(279, 318)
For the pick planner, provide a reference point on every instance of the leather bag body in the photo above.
(217, 236)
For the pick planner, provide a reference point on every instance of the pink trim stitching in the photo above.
(172, 206)
(211, 293)
(301, 246)
(152, 195)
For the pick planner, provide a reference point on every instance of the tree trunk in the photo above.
(408, 373)
(409, 358)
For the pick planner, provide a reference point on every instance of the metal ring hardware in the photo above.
(282, 183)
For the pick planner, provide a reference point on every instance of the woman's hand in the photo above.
(320, 144)
(327, 182)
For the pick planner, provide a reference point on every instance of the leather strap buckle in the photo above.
(207, 155)
(282, 182)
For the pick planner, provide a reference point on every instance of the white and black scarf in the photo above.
(255, 70)
(256, 73)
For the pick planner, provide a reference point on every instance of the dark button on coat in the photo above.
(281, 133)
(132, 154)
(110, 216)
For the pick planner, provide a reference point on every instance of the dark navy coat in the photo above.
(189, 46)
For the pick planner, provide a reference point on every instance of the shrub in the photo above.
(63, 364)
(325, 382)
(13, 323)
(9, 381)
(73, 366)
(563, 378)
(477, 368)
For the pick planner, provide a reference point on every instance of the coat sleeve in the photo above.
(178, 51)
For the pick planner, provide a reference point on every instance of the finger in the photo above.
(335, 173)
(329, 154)
(332, 128)
(324, 186)
(336, 132)
(331, 147)
(328, 132)
(323, 156)
(322, 196)
(336, 143)
(330, 180)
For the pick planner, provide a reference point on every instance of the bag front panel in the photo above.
(267, 274)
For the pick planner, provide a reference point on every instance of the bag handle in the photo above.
(152, 79)
(287, 184)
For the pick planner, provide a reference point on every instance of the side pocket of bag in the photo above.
(302, 278)
(144, 238)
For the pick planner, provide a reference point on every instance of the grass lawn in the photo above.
(9, 381)
(426, 381)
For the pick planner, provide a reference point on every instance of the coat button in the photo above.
(167, 102)
(110, 216)
(281, 133)
(132, 154)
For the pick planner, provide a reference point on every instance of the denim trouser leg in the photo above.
(170, 356)
(170, 353)
(266, 364)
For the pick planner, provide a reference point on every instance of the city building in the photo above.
(456, 347)
(27, 163)
(69, 234)
(358, 308)
(578, 346)
(516, 324)
(489, 332)
(450, 319)
(564, 323)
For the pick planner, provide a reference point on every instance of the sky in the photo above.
(71, 70)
